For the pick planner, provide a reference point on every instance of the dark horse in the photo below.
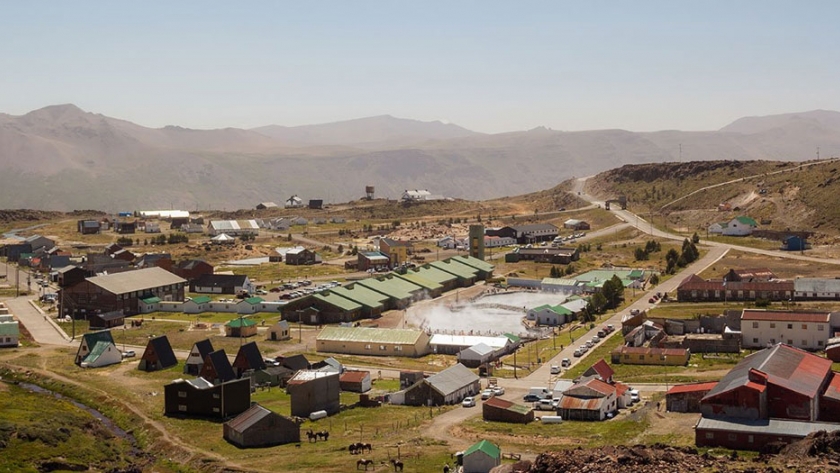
(398, 465)
(446, 468)
(359, 447)
(364, 462)
(312, 436)
(323, 435)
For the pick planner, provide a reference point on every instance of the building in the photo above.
(124, 227)
(450, 386)
(650, 356)
(355, 381)
(217, 368)
(293, 202)
(591, 399)
(372, 260)
(313, 391)
(316, 204)
(575, 224)
(686, 397)
(248, 358)
(88, 227)
(395, 250)
(192, 269)
(301, 256)
(416, 194)
(100, 320)
(477, 355)
(801, 329)
(696, 289)
(122, 291)
(373, 341)
(550, 315)
(222, 284)
(260, 427)
(279, 331)
(525, 234)
(750, 275)
(748, 434)
(551, 255)
(158, 355)
(201, 398)
(805, 289)
(9, 330)
(497, 409)
(451, 344)
(600, 370)
(198, 353)
(780, 382)
(266, 205)
(477, 241)
(496, 242)
(233, 227)
(241, 328)
(97, 349)
(481, 457)
(738, 226)
(795, 243)
(272, 376)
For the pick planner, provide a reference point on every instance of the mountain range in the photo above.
(62, 158)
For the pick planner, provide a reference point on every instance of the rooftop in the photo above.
(372, 335)
(139, 280)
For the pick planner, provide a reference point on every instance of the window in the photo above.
(755, 340)
(382, 347)
(819, 343)
(182, 407)
(732, 437)
(772, 325)
(215, 409)
(755, 324)
(772, 341)
(790, 326)
(710, 435)
(626, 356)
(790, 342)
(397, 348)
(820, 328)
(641, 357)
(215, 395)
(750, 439)
(804, 326)
(804, 343)
(182, 394)
(367, 347)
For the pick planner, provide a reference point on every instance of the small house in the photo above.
(481, 457)
(316, 203)
(450, 386)
(795, 243)
(272, 376)
(686, 397)
(266, 205)
(497, 409)
(9, 331)
(88, 227)
(201, 398)
(260, 427)
(279, 331)
(94, 349)
(575, 224)
(293, 202)
(355, 381)
(300, 256)
(158, 355)
(197, 355)
(248, 358)
(106, 320)
(600, 370)
(476, 355)
(313, 391)
(241, 328)
(217, 368)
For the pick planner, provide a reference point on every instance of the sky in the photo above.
(485, 65)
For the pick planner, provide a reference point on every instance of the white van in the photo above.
(545, 405)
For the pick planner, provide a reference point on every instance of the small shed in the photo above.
(355, 381)
(241, 327)
(217, 368)
(272, 376)
(107, 320)
(686, 397)
(158, 355)
(476, 355)
(248, 358)
(260, 427)
(482, 457)
(279, 331)
(195, 360)
(97, 349)
(501, 410)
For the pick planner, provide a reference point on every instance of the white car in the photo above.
(634, 395)
(487, 394)
(555, 369)
(498, 391)
(468, 402)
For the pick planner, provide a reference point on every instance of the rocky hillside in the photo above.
(782, 195)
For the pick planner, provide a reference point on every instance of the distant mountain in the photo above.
(63, 158)
(383, 129)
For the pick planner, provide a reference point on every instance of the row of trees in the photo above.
(171, 239)
(675, 260)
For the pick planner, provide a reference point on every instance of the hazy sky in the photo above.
(488, 66)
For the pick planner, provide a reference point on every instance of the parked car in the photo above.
(578, 353)
(531, 398)
(498, 391)
(487, 394)
(275, 289)
(566, 363)
(260, 292)
(129, 354)
(555, 369)
(468, 402)
(634, 395)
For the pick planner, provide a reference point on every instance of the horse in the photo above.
(313, 437)
(367, 446)
(446, 468)
(364, 462)
(355, 448)
(398, 465)
(323, 434)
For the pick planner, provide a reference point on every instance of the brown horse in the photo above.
(364, 462)
(323, 435)
(398, 465)
(312, 436)
(366, 446)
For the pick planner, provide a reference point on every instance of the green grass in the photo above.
(274, 273)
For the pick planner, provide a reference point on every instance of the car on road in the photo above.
(578, 353)
(487, 394)
(651, 300)
(555, 369)
(468, 402)
(566, 363)
(129, 354)
(498, 391)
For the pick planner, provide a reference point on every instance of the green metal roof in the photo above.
(372, 335)
(337, 301)
(560, 310)
(431, 273)
(9, 329)
(101, 336)
(636, 273)
(201, 299)
(151, 300)
(241, 322)
(254, 300)
(415, 278)
(458, 269)
(512, 337)
(474, 262)
(392, 286)
(559, 281)
(544, 306)
(746, 220)
(97, 351)
(486, 447)
(361, 294)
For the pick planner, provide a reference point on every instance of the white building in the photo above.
(233, 227)
(805, 330)
(738, 226)
(9, 330)
(293, 202)
(816, 289)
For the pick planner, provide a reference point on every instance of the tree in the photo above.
(654, 280)
(598, 302)
(640, 254)
(695, 238)
(340, 249)
(554, 273)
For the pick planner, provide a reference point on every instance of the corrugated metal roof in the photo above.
(370, 335)
(452, 379)
(485, 447)
(392, 286)
(816, 285)
(468, 340)
(354, 376)
(692, 388)
(603, 369)
(460, 270)
(241, 322)
(785, 366)
(480, 349)
(304, 376)
(784, 316)
(98, 349)
(787, 428)
(577, 403)
(415, 278)
(139, 280)
(832, 391)
(474, 262)
(248, 418)
(433, 274)
(361, 294)
(680, 352)
(338, 301)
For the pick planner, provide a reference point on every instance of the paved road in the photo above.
(42, 328)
